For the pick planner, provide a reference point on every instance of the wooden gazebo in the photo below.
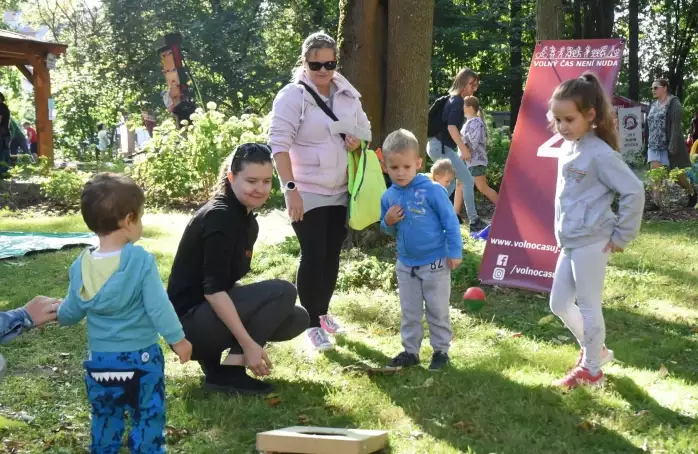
(22, 51)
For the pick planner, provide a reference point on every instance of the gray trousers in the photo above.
(579, 277)
(430, 284)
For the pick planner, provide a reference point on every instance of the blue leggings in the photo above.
(437, 150)
(133, 382)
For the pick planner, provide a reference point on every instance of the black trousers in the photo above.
(267, 309)
(321, 234)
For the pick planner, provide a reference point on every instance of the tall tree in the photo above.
(410, 24)
(515, 61)
(362, 46)
(598, 18)
(549, 19)
(633, 50)
(385, 50)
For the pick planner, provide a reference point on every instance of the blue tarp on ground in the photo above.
(17, 244)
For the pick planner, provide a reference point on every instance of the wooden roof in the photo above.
(19, 49)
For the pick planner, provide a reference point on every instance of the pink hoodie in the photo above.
(300, 127)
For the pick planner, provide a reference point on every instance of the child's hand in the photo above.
(612, 248)
(394, 215)
(183, 350)
(453, 263)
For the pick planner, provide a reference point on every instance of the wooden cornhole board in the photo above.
(321, 440)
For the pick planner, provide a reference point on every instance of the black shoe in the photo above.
(477, 225)
(439, 360)
(234, 380)
(692, 200)
(404, 359)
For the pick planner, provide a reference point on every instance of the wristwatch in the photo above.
(290, 186)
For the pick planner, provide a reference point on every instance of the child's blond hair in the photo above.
(443, 167)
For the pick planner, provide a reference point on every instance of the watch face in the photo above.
(290, 185)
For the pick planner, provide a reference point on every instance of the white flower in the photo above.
(211, 105)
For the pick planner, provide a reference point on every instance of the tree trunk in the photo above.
(410, 26)
(577, 15)
(515, 61)
(362, 50)
(599, 18)
(549, 19)
(633, 51)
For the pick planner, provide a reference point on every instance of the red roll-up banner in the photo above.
(521, 249)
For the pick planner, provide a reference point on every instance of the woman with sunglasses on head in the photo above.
(311, 159)
(665, 142)
(214, 253)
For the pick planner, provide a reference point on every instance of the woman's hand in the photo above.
(465, 154)
(257, 360)
(294, 205)
(352, 143)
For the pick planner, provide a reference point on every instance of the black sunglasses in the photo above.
(316, 65)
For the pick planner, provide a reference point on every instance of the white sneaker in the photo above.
(319, 339)
(329, 324)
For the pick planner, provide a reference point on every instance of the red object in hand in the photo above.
(474, 293)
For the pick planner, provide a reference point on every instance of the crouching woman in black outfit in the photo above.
(213, 255)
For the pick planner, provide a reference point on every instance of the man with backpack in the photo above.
(446, 118)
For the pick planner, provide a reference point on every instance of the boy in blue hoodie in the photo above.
(118, 288)
(429, 246)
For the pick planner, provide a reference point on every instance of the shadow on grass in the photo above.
(240, 418)
(479, 409)
(641, 341)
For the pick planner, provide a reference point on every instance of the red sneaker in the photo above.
(580, 376)
(606, 357)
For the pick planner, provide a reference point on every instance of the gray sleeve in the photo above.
(675, 135)
(615, 174)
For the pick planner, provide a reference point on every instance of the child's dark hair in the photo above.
(107, 199)
(587, 93)
(246, 153)
(443, 167)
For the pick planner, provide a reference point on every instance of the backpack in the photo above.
(436, 122)
(366, 187)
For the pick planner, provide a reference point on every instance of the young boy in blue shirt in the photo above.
(429, 246)
(118, 288)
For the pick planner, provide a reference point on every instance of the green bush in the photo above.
(182, 165)
(498, 144)
(64, 187)
(359, 270)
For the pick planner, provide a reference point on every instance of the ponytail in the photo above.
(587, 93)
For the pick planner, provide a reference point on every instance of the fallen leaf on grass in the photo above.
(516, 335)
(64, 355)
(273, 402)
(547, 319)
(174, 434)
(563, 338)
(303, 419)
(587, 425)
(642, 413)
(466, 426)
(429, 381)
(416, 434)
(663, 371)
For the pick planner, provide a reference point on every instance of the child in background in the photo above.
(429, 246)
(475, 138)
(118, 288)
(443, 173)
(590, 173)
(693, 170)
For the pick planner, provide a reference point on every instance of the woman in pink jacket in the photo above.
(311, 159)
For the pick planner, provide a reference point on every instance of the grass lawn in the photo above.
(495, 398)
